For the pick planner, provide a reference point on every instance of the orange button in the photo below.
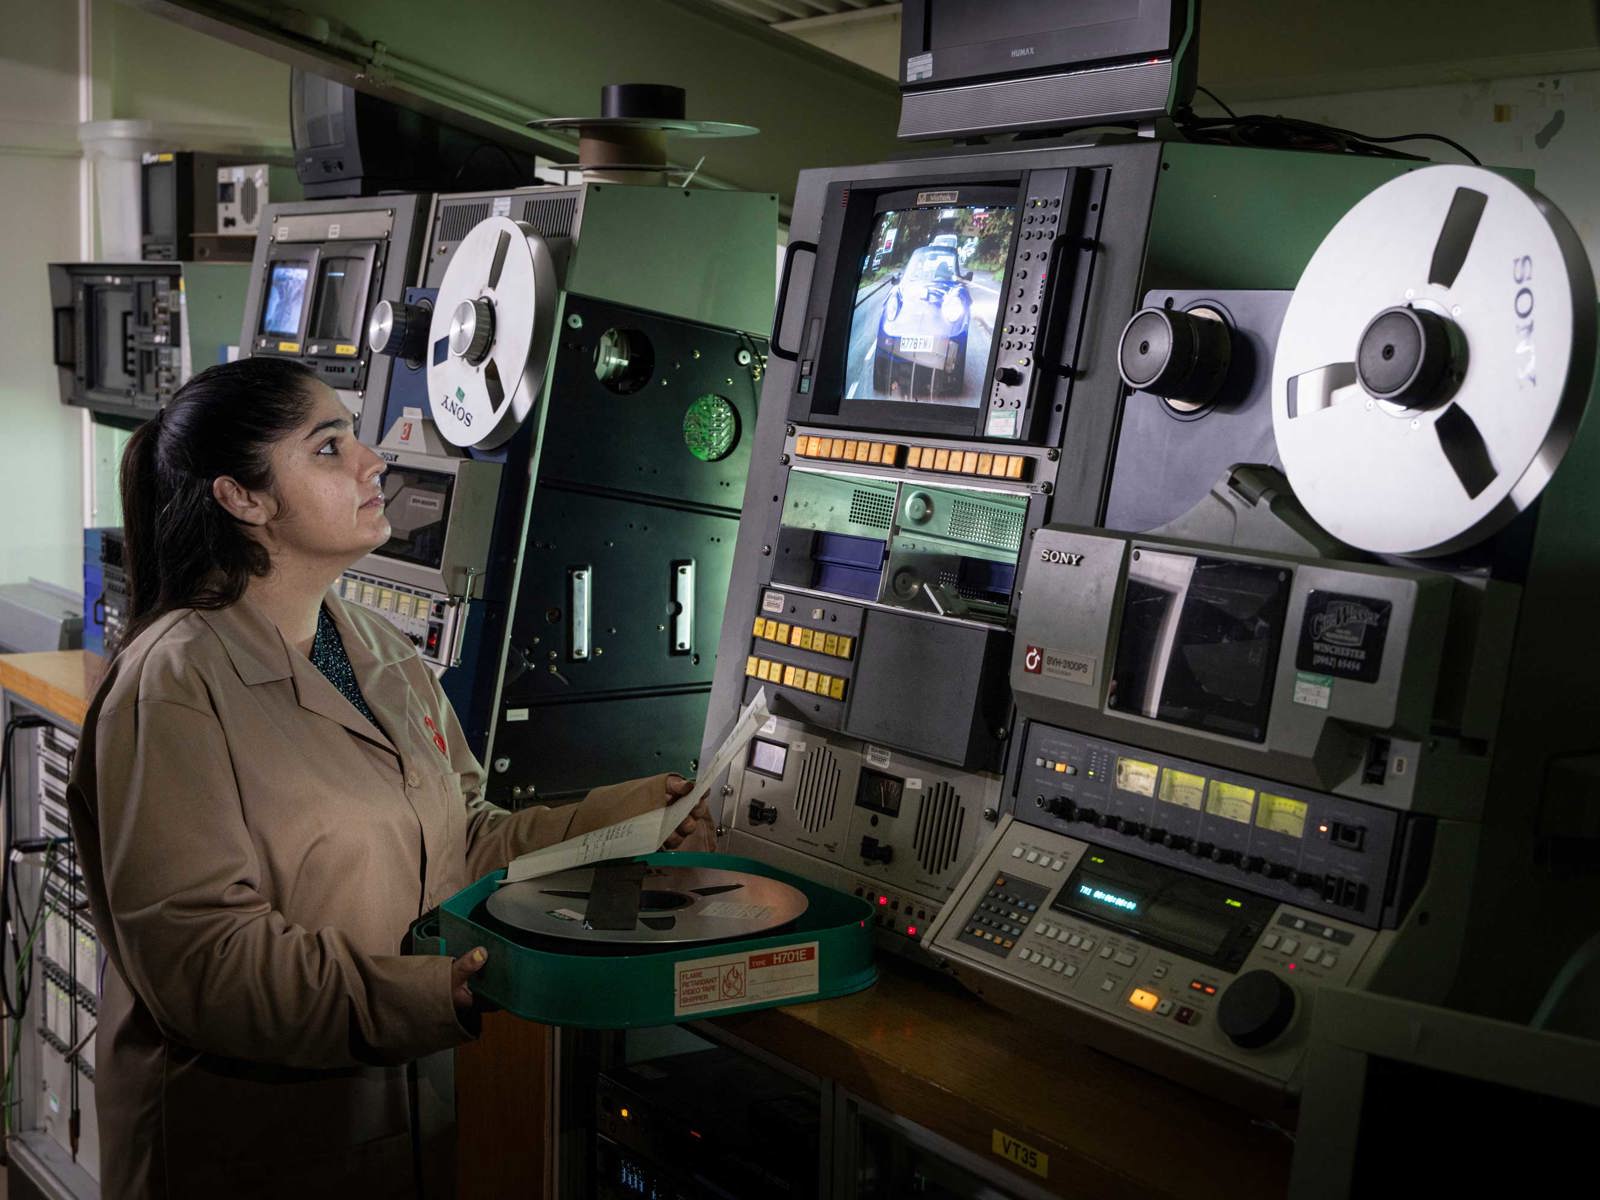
(1144, 1000)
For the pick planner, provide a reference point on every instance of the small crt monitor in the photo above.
(926, 303)
(417, 503)
(282, 313)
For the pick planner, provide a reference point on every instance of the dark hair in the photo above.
(181, 548)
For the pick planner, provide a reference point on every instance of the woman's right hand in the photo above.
(462, 970)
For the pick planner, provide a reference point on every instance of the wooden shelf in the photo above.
(61, 682)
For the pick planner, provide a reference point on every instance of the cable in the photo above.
(1277, 132)
(1219, 101)
(9, 888)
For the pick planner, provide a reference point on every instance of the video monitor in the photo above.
(341, 288)
(1199, 641)
(926, 303)
(286, 298)
(417, 504)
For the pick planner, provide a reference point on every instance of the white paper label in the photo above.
(516, 714)
(754, 977)
(919, 66)
(876, 755)
(913, 785)
(1314, 691)
(501, 206)
(772, 602)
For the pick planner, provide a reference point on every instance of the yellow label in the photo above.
(344, 348)
(163, 158)
(1024, 1155)
(288, 347)
(1282, 814)
(1137, 777)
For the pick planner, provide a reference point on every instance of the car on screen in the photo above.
(925, 321)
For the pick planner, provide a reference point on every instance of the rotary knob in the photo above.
(1183, 357)
(472, 330)
(1255, 1008)
(399, 329)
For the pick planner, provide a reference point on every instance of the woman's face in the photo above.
(330, 502)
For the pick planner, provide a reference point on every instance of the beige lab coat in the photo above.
(255, 852)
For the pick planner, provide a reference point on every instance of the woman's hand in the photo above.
(697, 831)
(462, 970)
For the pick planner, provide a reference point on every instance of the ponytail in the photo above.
(181, 548)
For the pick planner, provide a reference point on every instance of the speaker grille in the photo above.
(937, 840)
(456, 221)
(987, 525)
(815, 798)
(872, 509)
(1043, 102)
(550, 216)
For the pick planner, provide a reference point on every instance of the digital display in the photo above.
(1104, 895)
(417, 504)
(1165, 906)
(768, 758)
(926, 304)
(1182, 788)
(340, 284)
(1230, 801)
(286, 299)
(1282, 814)
(1198, 643)
(1137, 777)
(880, 792)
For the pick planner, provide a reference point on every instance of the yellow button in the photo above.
(836, 688)
(846, 645)
(752, 665)
(781, 633)
(830, 644)
(891, 454)
(808, 638)
(1144, 1000)
(789, 674)
(969, 462)
(768, 670)
(985, 464)
(836, 448)
(761, 627)
(941, 460)
(810, 683)
(875, 452)
(914, 459)
(999, 468)
(1014, 466)
(819, 685)
(794, 635)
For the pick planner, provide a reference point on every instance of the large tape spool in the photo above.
(489, 338)
(1434, 362)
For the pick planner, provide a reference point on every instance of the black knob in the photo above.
(1155, 834)
(1010, 376)
(1201, 849)
(1059, 806)
(763, 814)
(1177, 841)
(1133, 828)
(399, 329)
(1254, 863)
(1408, 357)
(873, 851)
(1108, 821)
(1255, 1008)
(1085, 814)
(1277, 870)
(1180, 356)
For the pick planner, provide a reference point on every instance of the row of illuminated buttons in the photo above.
(1038, 856)
(1060, 768)
(999, 939)
(1147, 1001)
(1313, 954)
(886, 454)
(838, 645)
(970, 462)
(371, 595)
(789, 675)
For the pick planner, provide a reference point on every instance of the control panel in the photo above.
(1200, 966)
(430, 619)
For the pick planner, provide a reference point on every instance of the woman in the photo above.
(270, 788)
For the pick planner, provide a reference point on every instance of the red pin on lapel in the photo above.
(438, 738)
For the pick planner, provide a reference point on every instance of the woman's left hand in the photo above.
(697, 831)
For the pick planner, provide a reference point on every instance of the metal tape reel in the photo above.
(489, 338)
(1434, 362)
(677, 904)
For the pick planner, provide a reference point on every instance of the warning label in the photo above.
(755, 977)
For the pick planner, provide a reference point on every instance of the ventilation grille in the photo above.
(986, 525)
(456, 221)
(873, 509)
(939, 821)
(818, 792)
(550, 216)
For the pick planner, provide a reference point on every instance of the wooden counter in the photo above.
(920, 1046)
(62, 682)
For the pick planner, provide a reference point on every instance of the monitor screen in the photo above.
(417, 504)
(161, 199)
(926, 301)
(286, 298)
(1199, 641)
(341, 283)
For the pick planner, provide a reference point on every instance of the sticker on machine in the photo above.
(1343, 635)
(1314, 691)
(919, 66)
(772, 602)
(754, 977)
(1061, 664)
